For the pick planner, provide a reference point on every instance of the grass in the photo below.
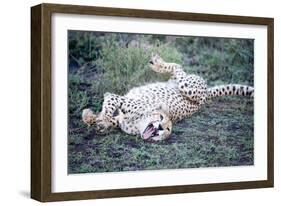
(220, 134)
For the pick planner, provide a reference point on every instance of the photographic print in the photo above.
(131, 102)
(149, 102)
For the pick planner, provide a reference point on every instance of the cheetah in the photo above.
(149, 111)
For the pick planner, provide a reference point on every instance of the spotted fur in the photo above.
(160, 104)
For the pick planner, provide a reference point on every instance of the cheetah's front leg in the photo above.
(110, 116)
(191, 86)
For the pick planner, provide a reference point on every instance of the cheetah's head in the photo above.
(156, 126)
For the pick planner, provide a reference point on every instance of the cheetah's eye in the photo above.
(161, 117)
(168, 129)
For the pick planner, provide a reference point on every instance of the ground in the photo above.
(215, 136)
(220, 134)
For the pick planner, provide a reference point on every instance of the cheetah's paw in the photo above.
(88, 117)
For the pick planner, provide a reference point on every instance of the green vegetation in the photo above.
(221, 134)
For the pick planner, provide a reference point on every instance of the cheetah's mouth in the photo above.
(150, 131)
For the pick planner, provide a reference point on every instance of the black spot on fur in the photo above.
(116, 113)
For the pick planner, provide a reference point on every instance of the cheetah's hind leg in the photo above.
(158, 65)
(191, 86)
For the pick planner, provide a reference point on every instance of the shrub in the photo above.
(219, 60)
(124, 67)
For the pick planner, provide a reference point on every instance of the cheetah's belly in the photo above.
(165, 96)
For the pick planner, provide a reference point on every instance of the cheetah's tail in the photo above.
(230, 90)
